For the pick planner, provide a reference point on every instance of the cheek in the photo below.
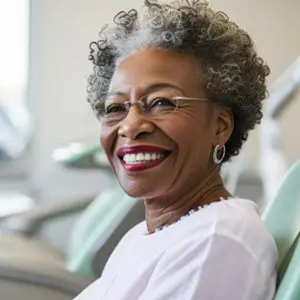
(194, 139)
(107, 141)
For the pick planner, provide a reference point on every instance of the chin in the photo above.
(141, 192)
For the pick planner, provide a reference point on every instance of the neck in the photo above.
(169, 209)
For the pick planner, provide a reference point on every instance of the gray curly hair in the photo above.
(231, 72)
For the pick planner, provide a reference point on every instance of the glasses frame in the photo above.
(128, 104)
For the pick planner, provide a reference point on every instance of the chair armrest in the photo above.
(34, 274)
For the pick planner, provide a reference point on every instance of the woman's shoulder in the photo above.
(240, 219)
(237, 219)
(230, 224)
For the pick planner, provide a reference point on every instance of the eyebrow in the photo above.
(151, 88)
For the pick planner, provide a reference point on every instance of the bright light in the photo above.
(13, 43)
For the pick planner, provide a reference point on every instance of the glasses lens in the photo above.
(114, 111)
(160, 104)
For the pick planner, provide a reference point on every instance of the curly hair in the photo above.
(230, 70)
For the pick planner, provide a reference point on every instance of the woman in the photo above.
(177, 91)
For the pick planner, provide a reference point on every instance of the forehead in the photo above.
(154, 66)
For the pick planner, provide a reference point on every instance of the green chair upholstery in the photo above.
(289, 288)
(100, 228)
(282, 217)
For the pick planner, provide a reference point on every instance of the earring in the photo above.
(219, 154)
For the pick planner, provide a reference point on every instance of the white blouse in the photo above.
(221, 252)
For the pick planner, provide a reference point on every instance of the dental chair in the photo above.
(27, 280)
(30, 270)
(282, 217)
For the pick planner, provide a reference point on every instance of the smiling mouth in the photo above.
(139, 161)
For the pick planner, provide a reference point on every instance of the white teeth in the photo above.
(154, 156)
(147, 156)
(135, 158)
(140, 156)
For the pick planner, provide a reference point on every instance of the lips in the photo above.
(142, 157)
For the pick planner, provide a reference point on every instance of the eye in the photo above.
(162, 101)
(115, 109)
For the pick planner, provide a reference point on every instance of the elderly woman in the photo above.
(176, 91)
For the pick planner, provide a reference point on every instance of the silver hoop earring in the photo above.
(219, 154)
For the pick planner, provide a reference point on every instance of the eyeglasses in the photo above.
(155, 106)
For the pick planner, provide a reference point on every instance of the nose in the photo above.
(135, 124)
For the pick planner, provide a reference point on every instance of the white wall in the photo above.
(60, 35)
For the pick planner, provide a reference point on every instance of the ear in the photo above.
(225, 125)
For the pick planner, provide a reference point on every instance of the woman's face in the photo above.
(177, 147)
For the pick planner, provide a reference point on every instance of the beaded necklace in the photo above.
(192, 211)
(189, 213)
